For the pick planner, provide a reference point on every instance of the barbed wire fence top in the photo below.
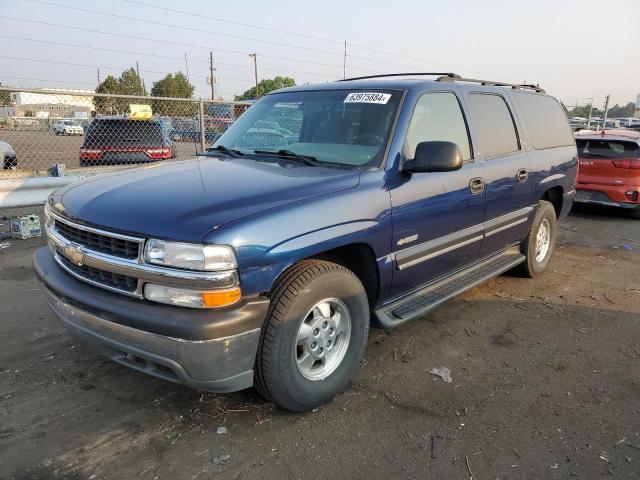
(53, 133)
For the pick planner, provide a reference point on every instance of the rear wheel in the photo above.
(314, 336)
(540, 243)
(635, 213)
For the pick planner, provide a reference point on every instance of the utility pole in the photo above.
(212, 80)
(144, 88)
(590, 112)
(255, 72)
(606, 111)
(344, 62)
(186, 65)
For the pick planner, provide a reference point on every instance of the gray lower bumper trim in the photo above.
(220, 365)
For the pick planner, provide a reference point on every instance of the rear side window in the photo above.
(607, 149)
(545, 120)
(103, 133)
(494, 124)
(437, 116)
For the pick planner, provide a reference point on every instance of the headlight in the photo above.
(190, 256)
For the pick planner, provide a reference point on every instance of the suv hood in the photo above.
(185, 200)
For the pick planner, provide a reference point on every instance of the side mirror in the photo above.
(435, 156)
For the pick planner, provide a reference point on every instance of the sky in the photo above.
(575, 49)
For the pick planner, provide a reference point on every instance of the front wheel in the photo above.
(539, 245)
(314, 336)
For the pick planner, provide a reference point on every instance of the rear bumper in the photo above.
(207, 350)
(608, 195)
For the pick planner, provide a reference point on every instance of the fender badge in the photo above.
(409, 239)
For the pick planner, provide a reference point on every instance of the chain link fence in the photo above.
(49, 132)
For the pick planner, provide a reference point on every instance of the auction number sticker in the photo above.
(368, 97)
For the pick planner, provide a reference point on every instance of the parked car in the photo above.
(609, 172)
(188, 129)
(68, 127)
(120, 140)
(264, 265)
(8, 158)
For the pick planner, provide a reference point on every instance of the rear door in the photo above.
(604, 161)
(507, 170)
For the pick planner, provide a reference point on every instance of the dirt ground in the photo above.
(546, 385)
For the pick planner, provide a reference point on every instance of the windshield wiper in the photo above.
(288, 154)
(228, 151)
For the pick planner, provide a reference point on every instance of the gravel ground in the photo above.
(546, 385)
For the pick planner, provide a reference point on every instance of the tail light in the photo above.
(628, 163)
(90, 153)
(632, 195)
(159, 153)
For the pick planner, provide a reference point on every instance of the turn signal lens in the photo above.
(191, 298)
(221, 298)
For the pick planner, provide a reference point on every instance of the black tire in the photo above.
(277, 376)
(532, 266)
(635, 213)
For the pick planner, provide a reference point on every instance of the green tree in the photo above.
(625, 111)
(129, 83)
(105, 105)
(174, 86)
(265, 86)
(5, 97)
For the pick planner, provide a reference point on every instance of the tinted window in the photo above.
(116, 133)
(437, 116)
(494, 124)
(545, 120)
(607, 149)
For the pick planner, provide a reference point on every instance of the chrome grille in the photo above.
(109, 279)
(100, 242)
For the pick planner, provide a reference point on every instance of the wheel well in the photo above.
(554, 195)
(358, 258)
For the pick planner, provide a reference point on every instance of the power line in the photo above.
(233, 22)
(173, 43)
(105, 67)
(130, 52)
(182, 27)
(421, 61)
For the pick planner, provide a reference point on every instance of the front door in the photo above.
(437, 217)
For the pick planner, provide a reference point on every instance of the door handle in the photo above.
(476, 185)
(522, 175)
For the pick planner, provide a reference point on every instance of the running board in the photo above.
(428, 298)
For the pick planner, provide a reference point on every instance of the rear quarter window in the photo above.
(546, 122)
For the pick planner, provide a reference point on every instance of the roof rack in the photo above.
(452, 77)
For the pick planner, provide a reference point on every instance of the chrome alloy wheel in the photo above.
(323, 339)
(543, 240)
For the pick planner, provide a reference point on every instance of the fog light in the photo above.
(632, 195)
(191, 298)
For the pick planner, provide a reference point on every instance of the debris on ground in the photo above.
(443, 372)
(221, 430)
(5, 245)
(222, 459)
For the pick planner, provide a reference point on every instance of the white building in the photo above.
(75, 98)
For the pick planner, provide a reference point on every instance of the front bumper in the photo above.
(211, 350)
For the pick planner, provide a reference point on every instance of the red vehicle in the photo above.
(609, 169)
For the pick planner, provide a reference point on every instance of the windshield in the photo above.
(347, 127)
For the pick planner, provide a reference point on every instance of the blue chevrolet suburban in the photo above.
(321, 210)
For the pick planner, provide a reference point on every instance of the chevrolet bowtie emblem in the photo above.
(74, 254)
